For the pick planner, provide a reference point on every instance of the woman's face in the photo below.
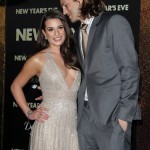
(54, 32)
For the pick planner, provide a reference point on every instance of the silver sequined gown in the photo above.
(59, 131)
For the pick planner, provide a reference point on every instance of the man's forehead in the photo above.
(62, 1)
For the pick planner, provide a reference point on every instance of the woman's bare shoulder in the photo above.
(39, 57)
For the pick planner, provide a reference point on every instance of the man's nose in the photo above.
(65, 11)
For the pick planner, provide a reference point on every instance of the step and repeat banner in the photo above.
(22, 22)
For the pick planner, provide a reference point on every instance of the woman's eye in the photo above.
(50, 29)
(61, 27)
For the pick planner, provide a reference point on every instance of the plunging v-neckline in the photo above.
(61, 74)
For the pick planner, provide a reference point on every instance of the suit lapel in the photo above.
(77, 37)
(93, 30)
(90, 39)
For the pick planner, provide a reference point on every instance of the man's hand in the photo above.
(39, 98)
(123, 124)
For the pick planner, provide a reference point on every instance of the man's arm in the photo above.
(121, 36)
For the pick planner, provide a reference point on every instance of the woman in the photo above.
(57, 68)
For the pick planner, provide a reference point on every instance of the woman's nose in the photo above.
(56, 32)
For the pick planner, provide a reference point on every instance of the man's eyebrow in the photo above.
(63, 3)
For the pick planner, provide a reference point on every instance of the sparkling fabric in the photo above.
(59, 131)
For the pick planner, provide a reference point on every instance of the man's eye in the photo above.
(65, 5)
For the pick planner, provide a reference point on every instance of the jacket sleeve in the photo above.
(122, 41)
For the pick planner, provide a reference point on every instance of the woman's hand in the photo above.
(39, 114)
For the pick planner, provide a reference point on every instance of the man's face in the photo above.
(71, 8)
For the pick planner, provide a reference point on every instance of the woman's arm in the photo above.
(31, 68)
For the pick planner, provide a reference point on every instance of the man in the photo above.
(108, 96)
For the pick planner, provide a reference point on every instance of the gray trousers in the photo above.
(111, 137)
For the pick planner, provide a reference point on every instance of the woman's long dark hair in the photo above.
(68, 48)
(92, 7)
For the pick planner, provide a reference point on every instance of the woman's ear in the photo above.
(44, 34)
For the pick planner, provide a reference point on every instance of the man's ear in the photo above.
(79, 2)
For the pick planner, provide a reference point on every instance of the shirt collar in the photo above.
(88, 20)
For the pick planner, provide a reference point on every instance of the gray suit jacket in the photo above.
(110, 71)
